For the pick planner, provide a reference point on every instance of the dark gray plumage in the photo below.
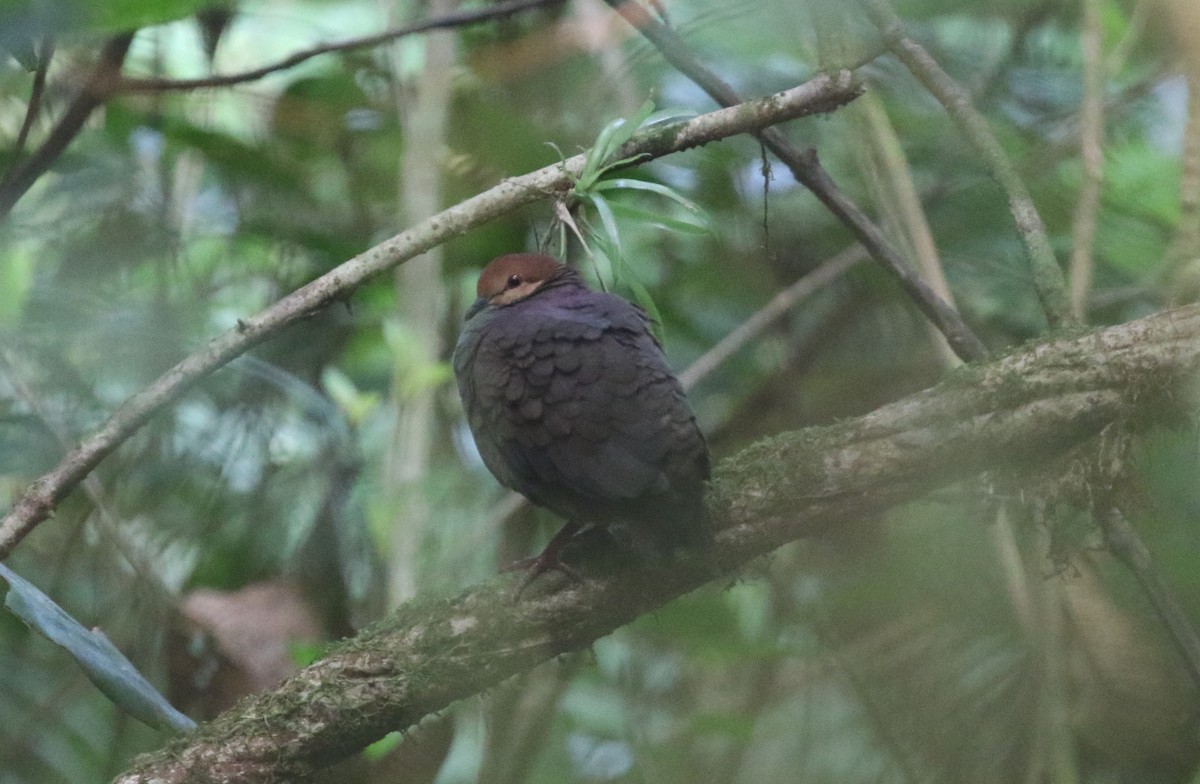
(572, 404)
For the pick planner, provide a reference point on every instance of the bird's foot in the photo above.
(548, 560)
(536, 565)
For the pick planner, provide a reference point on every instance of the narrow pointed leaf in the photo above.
(101, 661)
(667, 222)
(624, 183)
(605, 146)
(608, 221)
(668, 116)
(625, 131)
(641, 295)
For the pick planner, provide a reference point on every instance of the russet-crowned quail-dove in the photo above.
(572, 404)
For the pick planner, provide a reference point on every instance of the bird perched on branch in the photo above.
(572, 404)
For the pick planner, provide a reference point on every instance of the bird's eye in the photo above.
(514, 281)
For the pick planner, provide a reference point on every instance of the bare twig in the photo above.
(807, 170)
(1048, 278)
(1129, 549)
(33, 107)
(824, 93)
(902, 205)
(434, 651)
(95, 91)
(1091, 148)
(442, 22)
(779, 305)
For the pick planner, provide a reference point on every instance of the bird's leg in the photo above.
(548, 559)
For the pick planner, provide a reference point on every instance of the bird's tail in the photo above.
(681, 525)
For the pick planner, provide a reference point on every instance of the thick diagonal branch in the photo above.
(821, 94)
(1018, 413)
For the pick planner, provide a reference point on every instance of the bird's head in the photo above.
(517, 276)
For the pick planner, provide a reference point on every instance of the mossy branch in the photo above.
(1019, 413)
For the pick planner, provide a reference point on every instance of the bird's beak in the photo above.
(476, 306)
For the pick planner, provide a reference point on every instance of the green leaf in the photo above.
(563, 240)
(625, 130)
(619, 131)
(624, 161)
(659, 219)
(609, 258)
(604, 145)
(668, 116)
(607, 220)
(104, 665)
(607, 210)
(650, 187)
(608, 142)
(641, 295)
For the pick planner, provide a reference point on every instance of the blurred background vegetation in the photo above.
(981, 635)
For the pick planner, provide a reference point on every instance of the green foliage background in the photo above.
(894, 652)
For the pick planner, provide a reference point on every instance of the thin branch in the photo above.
(443, 22)
(808, 171)
(779, 305)
(805, 348)
(33, 107)
(1091, 148)
(822, 94)
(1048, 278)
(1131, 551)
(95, 91)
(899, 193)
(1018, 414)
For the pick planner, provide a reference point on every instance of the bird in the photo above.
(572, 404)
